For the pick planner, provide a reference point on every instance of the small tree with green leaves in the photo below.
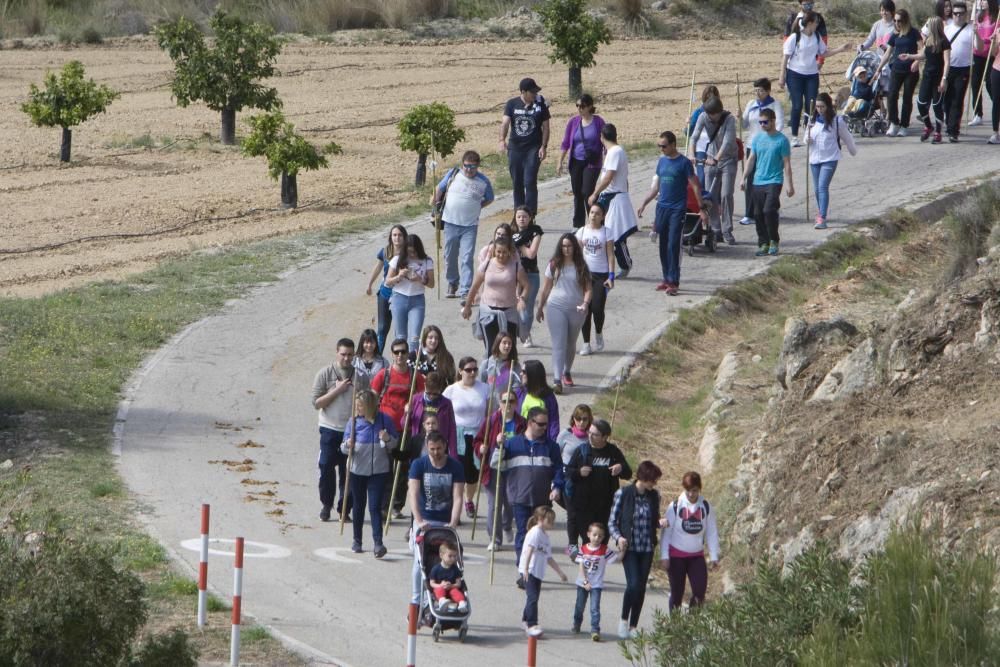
(428, 128)
(287, 152)
(575, 37)
(66, 101)
(226, 76)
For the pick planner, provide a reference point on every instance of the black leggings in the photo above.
(598, 300)
(995, 85)
(981, 67)
(908, 82)
(928, 98)
(583, 180)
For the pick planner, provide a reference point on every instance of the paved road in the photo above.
(246, 373)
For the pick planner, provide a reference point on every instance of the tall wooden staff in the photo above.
(437, 213)
(497, 505)
(739, 124)
(618, 390)
(812, 112)
(403, 438)
(479, 489)
(986, 71)
(687, 120)
(350, 453)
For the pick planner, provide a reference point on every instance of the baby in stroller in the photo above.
(446, 580)
(862, 95)
(863, 107)
(444, 603)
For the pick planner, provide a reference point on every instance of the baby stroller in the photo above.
(693, 233)
(864, 109)
(428, 549)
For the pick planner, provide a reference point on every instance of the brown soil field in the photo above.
(190, 193)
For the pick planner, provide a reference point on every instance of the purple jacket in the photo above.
(446, 420)
(551, 405)
(592, 145)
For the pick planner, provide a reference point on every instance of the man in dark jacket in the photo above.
(593, 473)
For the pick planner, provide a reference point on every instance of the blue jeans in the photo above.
(802, 90)
(459, 252)
(408, 314)
(527, 317)
(368, 488)
(670, 226)
(521, 515)
(595, 608)
(822, 174)
(332, 468)
(523, 165)
(532, 589)
(636, 564)
(384, 321)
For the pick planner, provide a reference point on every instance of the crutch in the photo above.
(403, 438)
(350, 455)
(497, 504)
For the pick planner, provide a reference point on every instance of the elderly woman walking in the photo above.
(582, 144)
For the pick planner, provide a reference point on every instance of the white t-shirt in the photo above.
(539, 540)
(468, 403)
(465, 200)
(802, 56)
(409, 287)
(595, 251)
(961, 46)
(595, 562)
(616, 160)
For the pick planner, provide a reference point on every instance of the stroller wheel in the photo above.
(690, 250)
(437, 631)
(710, 241)
(463, 632)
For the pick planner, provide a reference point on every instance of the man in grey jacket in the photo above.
(720, 165)
(331, 398)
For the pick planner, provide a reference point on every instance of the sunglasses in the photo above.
(470, 370)
(538, 423)
(507, 399)
(662, 146)
(764, 121)
(400, 351)
(470, 166)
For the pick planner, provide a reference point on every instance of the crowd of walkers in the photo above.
(438, 432)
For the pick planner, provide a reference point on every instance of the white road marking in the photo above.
(251, 549)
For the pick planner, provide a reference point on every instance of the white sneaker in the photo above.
(508, 536)
(528, 342)
(443, 604)
(463, 606)
(599, 343)
(633, 633)
(746, 221)
(976, 120)
(795, 142)
(902, 132)
(995, 139)
(493, 546)
(535, 631)
(893, 130)
(585, 350)
(623, 629)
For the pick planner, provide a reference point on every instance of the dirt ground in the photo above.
(189, 193)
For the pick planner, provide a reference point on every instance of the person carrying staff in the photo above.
(331, 398)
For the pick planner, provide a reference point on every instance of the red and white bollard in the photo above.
(532, 650)
(203, 569)
(411, 636)
(234, 643)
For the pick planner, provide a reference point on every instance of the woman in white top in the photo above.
(751, 121)
(688, 527)
(612, 192)
(504, 288)
(408, 283)
(826, 134)
(567, 292)
(599, 254)
(468, 399)
(368, 362)
(800, 68)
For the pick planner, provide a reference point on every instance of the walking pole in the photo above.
(497, 504)
(403, 438)
(437, 213)
(479, 489)
(986, 73)
(687, 120)
(812, 111)
(350, 455)
(739, 109)
(618, 390)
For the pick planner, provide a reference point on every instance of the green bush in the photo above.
(574, 36)
(91, 35)
(66, 602)
(970, 226)
(169, 649)
(427, 128)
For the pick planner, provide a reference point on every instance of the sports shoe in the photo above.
(747, 221)
(520, 582)
(795, 142)
(535, 631)
(508, 536)
(595, 636)
(773, 249)
(662, 287)
(576, 629)
(672, 290)
(493, 546)
(623, 629)
(820, 222)
(936, 139)
(730, 239)
(470, 509)
(463, 606)
(557, 388)
(397, 514)
(356, 547)
(902, 132)
(953, 138)
(623, 274)
(925, 134)
(633, 633)
(994, 139)
(528, 342)
(443, 604)
(598, 343)
(762, 250)
(585, 350)
(893, 130)
(380, 551)
(324, 514)
(452, 290)
(567, 379)
(976, 120)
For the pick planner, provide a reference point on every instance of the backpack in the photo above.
(436, 220)
(568, 484)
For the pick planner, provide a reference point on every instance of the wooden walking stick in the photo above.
(986, 73)
(687, 121)
(618, 390)
(350, 454)
(486, 439)
(403, 438)
(739, 110)
(497, 504)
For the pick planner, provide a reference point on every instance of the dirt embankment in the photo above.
(120, 207)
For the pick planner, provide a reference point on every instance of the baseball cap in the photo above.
(530, 85)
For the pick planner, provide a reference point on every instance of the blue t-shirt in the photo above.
(384, 291)
(905, 43)
(770, 151)
(441, 573)
(436, 486)
(673, 174)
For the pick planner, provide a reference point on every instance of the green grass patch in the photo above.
(214, 604)
(173, 585)
(254, 634)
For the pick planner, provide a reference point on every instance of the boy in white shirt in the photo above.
(594, 558)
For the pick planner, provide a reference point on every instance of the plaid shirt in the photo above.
(642, 522)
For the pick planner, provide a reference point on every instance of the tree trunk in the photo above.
(421, 170)
(575, 83)
(228, 135)
(67, 142)
(289, 191)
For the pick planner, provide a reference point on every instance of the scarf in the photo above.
(767, 101)
(580, 433)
